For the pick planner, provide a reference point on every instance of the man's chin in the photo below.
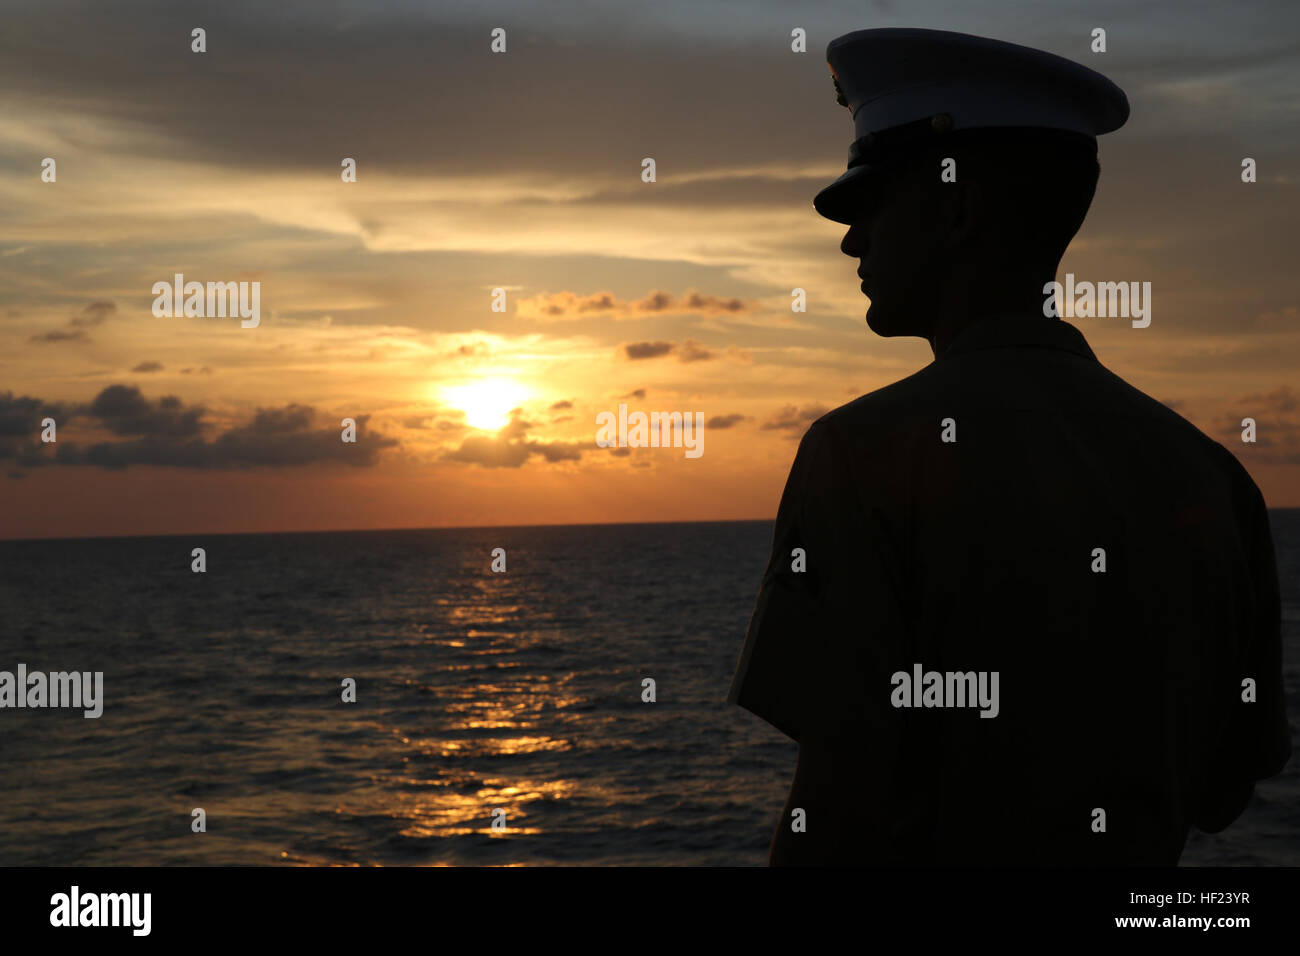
(890, 323)
(878, 321)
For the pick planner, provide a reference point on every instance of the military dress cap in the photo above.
(908, 88)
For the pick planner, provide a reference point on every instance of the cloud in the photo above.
(1281, 399)
(712, 304)
(148, 367)
(255, 445)
(511, 448)
(1277, 426)
(490, 452)
(278, 421)
(427, 422)
(647, 350)
(20, 427)
(559, 451)
(570, 305)
(705, 209)
(688, 350)
(565, 403)
(164, 432)
(21, 415)
(123, 410)
(635, 393)
(94, 313)
(794, 420)
(692, 351)
(725, 421)
(60, 336)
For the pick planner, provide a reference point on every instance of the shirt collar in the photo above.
(1020, 331)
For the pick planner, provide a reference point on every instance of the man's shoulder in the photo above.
(939, 389)
(907, 399)
(945, 388)
(1165, 422)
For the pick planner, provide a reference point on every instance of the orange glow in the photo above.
(486, 403)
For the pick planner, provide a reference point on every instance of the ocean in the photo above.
(475, 692)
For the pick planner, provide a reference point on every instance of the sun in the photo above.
(487, 402)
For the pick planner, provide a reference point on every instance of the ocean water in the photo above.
(475, 691)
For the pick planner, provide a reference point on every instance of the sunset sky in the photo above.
(522, 171)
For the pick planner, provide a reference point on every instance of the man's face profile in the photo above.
(901, 236)
(934, 255)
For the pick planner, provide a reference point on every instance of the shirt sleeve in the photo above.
(823, 640)
(1255, 742)
(1259, 734)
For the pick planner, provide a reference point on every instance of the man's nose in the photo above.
(852, 244)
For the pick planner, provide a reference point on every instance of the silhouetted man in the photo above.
(1016, 610)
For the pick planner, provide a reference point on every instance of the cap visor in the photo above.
(842, 199)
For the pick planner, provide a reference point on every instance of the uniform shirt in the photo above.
(1120, 690)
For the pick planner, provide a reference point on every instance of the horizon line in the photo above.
(454, 527)
(475, 527)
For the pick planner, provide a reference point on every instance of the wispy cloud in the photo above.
(570, 305)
